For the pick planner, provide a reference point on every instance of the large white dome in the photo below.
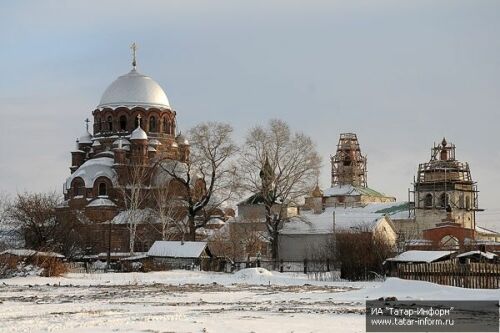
(134, 89)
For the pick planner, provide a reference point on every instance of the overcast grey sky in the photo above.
(401, 74)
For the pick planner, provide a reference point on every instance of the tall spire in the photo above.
(134, 50)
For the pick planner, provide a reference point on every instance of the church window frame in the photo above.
(152, 124)
(98, 124)
(102, 189)
(166, 126)
(428, 200)
(110, 123)
(123, 123)
(444, 200)
(78, 187)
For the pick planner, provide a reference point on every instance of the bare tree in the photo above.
(207, 180)
(134, 194)
(169, 212)
(7, 231)
(282, 167)
(34, 218)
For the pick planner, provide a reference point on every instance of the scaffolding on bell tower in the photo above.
(348, 164)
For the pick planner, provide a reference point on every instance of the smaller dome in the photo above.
(138, 134)
(174, 144)
(151, 148)
(85, 138)
(154, 142)
(96, 143)
(181, 139)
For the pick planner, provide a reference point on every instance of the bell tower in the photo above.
(444, 191)
(348, 164)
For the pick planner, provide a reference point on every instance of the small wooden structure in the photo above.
(180, 254)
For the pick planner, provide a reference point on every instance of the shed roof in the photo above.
(30, 253)
(421, 256)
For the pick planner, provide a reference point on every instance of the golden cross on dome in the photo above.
(139, 121)
(134, 50)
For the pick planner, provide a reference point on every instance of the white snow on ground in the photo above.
(252, 300)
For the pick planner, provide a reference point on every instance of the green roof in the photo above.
(368, 191)
(394, 209)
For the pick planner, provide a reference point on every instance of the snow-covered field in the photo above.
(251, 300)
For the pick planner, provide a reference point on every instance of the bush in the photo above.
(11, 266)
(361, 255)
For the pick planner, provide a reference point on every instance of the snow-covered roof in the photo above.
(151, 148)
(215, 221)
(29, 253)
(86, 138)
(349, 218)
(485, 231)
(134, 89)
(96, 143)
(138, 134)
(154, 142)
(181, 139)
(143, 215)
(101, 202)
(135, 257)
(123, 141)
(93, 169)
(104, 255)
(487, 255)
(421, 256)
(177, 249)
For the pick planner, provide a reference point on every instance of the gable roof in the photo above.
(177, 249)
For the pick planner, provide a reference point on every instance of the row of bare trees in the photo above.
(274, 162)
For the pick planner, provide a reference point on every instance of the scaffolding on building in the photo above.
(348, 164)
(436, 179)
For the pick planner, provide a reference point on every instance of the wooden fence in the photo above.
(472, 275)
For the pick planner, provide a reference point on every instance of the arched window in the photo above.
(103, 189)
(78, 188)
(110, 124)
(123, 123)
(165, 126)
(152, 124)
(98, 124)
(443, 200)
(428, 200)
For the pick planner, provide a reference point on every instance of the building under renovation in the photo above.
(445, 202)
(349, 184)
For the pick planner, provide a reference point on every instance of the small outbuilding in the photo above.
(417, 257)
(180, 254)
(477, 256)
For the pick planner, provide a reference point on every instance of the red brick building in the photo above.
(133, 124)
